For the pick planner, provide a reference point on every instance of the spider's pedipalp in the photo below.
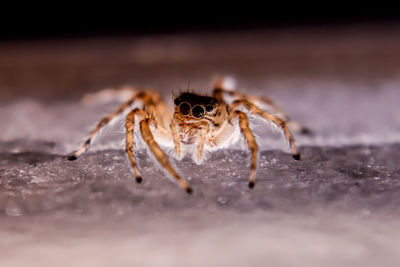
(177, 144)
(198, 154)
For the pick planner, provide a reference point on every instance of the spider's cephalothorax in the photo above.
(199, 124)
(197, 117)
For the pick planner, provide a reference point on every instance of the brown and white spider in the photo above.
(198, 125)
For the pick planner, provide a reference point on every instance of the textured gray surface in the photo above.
(338, 206)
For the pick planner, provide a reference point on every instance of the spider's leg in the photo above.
(220, 91)
(159, 154)
(129, 126)
(251, 143)
(156, 108)
(252, 108)
(142, 95)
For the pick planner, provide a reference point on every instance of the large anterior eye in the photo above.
(198, 111)
(184, 108)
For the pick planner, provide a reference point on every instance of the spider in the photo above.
(199, 124)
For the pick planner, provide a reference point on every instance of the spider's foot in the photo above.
(72, 157)
(251, 184)
(139, 180)
(306, 131)
(297, 156)
(189, 190)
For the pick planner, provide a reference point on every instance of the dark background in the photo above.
(71, 21)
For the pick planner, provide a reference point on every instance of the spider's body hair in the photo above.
(199, 125)
(197, 135)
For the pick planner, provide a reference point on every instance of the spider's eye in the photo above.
(209, 108)
(177, 101)
(184, 108)
(198, 111)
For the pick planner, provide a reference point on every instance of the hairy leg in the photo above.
(251, 143)
(144, 96)
(220, 91)
(129, 126)
(280, 123)
(159, 154)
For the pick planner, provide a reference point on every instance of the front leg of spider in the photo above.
(144, 122)
(152, 103)
(159, 154)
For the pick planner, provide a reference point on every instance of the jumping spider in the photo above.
(199, 124)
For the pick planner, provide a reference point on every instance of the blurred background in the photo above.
(48, 55)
